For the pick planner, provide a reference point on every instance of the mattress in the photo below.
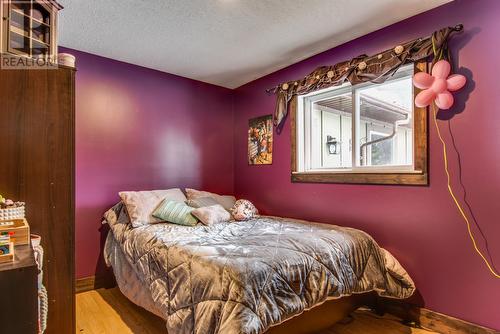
(245, 277)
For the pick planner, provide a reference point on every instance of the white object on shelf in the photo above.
(66, 59)
(43, 301)
(12, 213)
(35, 240)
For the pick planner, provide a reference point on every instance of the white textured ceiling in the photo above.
(223, 42)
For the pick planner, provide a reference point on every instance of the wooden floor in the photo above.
(107, 311)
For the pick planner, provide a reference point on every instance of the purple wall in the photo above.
(141, 129)
(419, 225)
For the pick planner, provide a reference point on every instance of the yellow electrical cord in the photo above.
(462, 212)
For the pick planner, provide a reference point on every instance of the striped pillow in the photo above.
(175, 212)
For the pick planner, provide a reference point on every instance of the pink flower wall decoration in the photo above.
(437, 87)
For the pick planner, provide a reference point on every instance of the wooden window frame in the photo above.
(418, 177)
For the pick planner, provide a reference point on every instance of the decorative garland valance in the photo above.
(376, 68)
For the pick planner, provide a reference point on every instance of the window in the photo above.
(367, 133)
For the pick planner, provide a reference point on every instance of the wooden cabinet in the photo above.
(37, 166)
(19, 291)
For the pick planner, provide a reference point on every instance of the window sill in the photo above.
(416, 178)
(371, 170)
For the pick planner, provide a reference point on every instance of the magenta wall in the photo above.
(419, 225)
(141, 129)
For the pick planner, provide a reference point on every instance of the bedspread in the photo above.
(244, 277)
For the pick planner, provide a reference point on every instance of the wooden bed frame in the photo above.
(323, 316)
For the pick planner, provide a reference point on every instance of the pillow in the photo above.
(243, 210)
(175, 212)
(201, 202)
(225, 200)
(141, 204)
(111, 216)
(116, 215)
(213, 214)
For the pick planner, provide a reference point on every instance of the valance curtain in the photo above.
(376, 69)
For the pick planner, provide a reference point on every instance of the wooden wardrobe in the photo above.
(37, 166)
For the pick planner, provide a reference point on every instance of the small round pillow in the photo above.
(243, 210)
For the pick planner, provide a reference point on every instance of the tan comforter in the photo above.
(244, 277)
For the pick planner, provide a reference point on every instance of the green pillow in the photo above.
(175, 212)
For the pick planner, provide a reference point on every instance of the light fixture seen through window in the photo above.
(332, 144)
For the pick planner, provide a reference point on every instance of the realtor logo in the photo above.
(13, 62)
(28, 34)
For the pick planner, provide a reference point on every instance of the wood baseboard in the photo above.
(85, 284)
(428, 319)
(92, 283)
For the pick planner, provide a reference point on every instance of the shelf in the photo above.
(23, 258)
(40, 42)
(20, 32)
(41, 22)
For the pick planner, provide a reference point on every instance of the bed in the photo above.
(267, 274)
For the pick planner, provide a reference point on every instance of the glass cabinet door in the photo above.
(29, 28)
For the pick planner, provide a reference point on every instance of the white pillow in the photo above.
(226, 201)
(141, 204)
(210, 215)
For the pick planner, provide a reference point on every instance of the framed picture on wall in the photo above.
(260, 140)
